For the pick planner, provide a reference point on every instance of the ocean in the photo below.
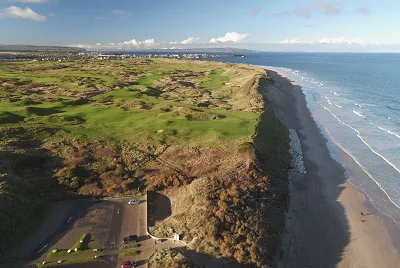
(355, 100)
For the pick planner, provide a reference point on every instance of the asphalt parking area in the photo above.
(105, 222)
(94, 220)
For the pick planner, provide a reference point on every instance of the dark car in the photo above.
(128, 264)
(131, 238)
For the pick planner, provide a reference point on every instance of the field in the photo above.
(187, 103)
(99, 128)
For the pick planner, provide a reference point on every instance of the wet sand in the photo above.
(324, 225)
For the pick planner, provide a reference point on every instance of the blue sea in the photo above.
(355, 99)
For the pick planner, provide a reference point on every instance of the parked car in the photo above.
(128, 264)
(131, 238)
(133, 202)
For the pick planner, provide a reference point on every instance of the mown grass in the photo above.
(75, 261)
(83, 248)
(136, 245)
(116, 123)
(130, 253)
(105, 119)
(83, 243)
(64, 252)
(215, 80)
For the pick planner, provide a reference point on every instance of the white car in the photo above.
(134, 202)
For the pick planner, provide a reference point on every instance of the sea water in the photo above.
(355, 99)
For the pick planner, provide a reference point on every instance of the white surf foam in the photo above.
(387, 130)
(369, 175)
(363, 140)
(359, 114)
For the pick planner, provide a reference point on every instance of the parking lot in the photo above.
(106, 221)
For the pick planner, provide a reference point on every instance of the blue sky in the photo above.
(311, 25)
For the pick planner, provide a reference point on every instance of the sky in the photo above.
(283, 25)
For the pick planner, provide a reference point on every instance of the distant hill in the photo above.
(31, 48)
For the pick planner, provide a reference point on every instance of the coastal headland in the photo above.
(198, 137)
(327, 224)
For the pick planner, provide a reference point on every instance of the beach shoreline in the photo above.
(324, 224)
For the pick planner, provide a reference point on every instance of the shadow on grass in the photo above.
(9, 118)
(30, 186)
(41, 111)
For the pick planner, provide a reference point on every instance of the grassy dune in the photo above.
(110, 128)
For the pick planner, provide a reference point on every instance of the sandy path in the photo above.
(324, 227)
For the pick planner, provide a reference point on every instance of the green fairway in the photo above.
(131, 110)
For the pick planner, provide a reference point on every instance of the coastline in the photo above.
(324, 225)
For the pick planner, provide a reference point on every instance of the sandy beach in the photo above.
(324, 225)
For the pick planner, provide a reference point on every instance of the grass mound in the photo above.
(83, 243)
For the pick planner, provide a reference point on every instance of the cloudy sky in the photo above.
(307, 25)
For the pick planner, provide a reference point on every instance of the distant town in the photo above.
(85, 55)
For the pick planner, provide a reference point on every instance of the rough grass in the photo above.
(210, 211)
(169, 258)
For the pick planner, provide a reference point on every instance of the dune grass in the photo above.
(125, 103)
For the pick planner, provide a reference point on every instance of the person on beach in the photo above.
(362, 214)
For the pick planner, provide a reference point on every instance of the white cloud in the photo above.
(294, 41)
(189, 41)
(21, 13)
(121, 12)
(148, 43)
(229, 37)
(342, 40)
(121, 45)
(326, 41)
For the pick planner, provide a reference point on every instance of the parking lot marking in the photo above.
(43, 248)
(69, 219)
(118, 211)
